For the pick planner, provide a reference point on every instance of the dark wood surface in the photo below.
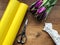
(34, 27)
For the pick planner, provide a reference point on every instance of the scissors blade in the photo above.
(26, 22)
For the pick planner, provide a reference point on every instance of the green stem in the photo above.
(49, 9)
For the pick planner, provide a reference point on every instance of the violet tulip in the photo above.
(38, 3)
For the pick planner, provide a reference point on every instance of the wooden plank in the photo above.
(34, 27)
(3, 4)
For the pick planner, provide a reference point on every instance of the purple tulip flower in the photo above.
(38, 3)
(41, 13)
(40, 10)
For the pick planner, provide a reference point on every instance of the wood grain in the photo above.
(34, 27)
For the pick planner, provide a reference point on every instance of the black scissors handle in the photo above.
(22, 39)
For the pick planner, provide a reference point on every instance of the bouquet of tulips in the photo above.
(41, 8)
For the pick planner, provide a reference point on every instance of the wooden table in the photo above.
(34, 27)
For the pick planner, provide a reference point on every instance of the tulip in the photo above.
(35, 6)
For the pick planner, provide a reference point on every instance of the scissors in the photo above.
(22, 36)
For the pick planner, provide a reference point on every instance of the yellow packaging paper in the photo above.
(13, 30)
(8, 18)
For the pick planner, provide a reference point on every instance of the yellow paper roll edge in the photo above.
(13, 30)
(8, 18)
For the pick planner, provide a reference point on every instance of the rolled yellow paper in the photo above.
(13, 30)
(7, 18)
